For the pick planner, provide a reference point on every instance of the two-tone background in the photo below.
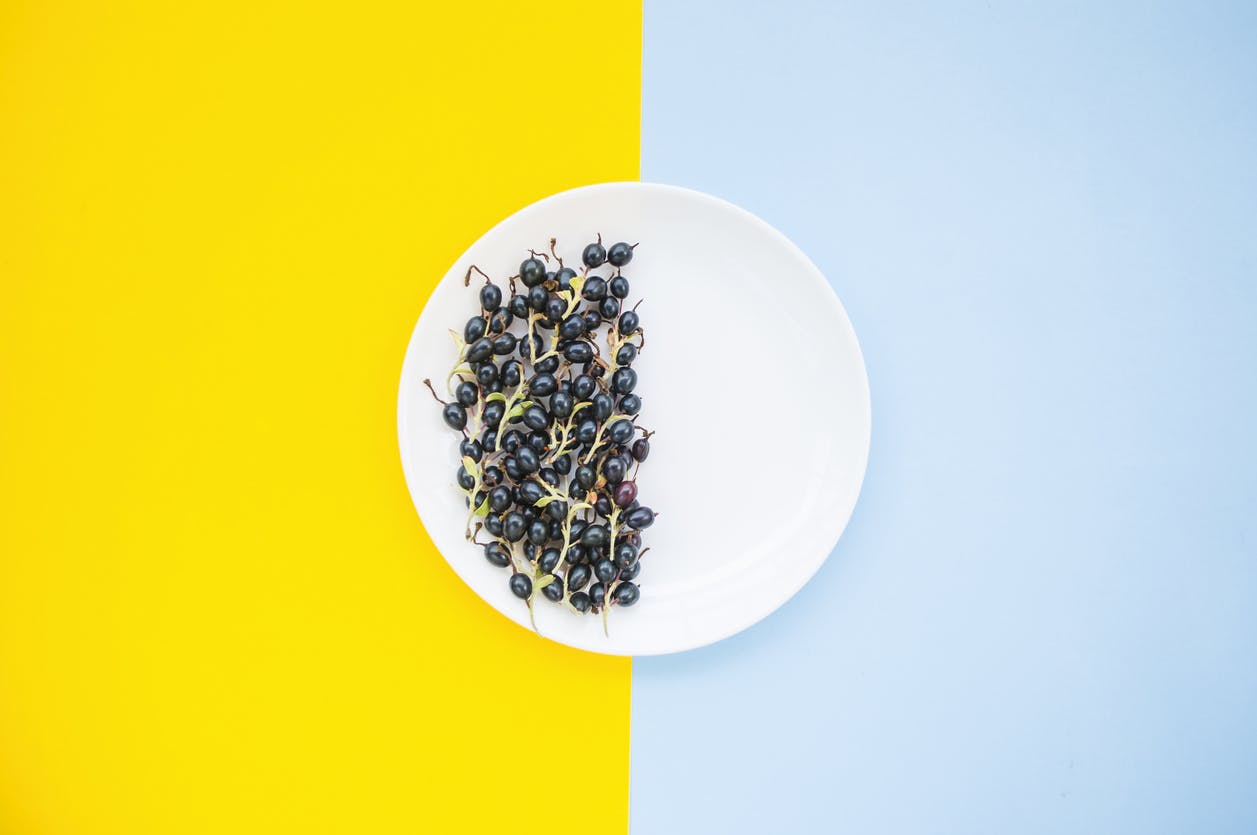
(218, 609)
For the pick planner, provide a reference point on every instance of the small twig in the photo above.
(555, 254)
(428, 383)
(474, 268)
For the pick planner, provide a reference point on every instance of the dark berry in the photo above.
(543, 385)
(467, 394)
(595, 536)
(623, 381)
(619, 254)
(530, 492)
(472, 449)
(480, 350)
(528, 460)
(554, 590)
(572, 327)
(629, 322)
(538, 532)
(606, 571)
(535, 418)
(497, 554)
(514, 526)
(521, 586)
(464, 478)
(594, 289)
(537, 298)
(625, 554)
(578, 352)
(641, 518)
(603, 405)
(561, 404)
(609, 307)
(619, 287)
(586, 432)
(504, 344)
(626, 594)
(630, 404)
(621, 432)
(490, 297)
(613, 470)
(595, 255)
(532, 272)
(511, 373)
(455, 416)
(579, 601)
(641, 449)
(624, 493)
(583, 387)
(474, 329)
(586, 476)
(626, 354)
(487, 374)
(499, 499)
(578, 576)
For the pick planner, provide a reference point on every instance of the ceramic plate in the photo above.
(751, 378)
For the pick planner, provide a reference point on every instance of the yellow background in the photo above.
(218, 224)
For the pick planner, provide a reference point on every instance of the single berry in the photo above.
(577, 576)
(490, 297)
(474, 329)
(624, 493)
(455, 416)
(466, 394)
(532, 272)
(626, 594)
(619, 254)
(497, 555)
(594, 289)
(623, 381)
(595, 255)
(629, 322)
(606, 571)
(521, 586)
(554, 590)
(641, 518)
(513, 526)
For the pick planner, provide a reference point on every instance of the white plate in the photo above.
(751, 377)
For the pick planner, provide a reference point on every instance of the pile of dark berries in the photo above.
(544, 395)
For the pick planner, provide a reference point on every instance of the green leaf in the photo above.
(483, 510)
(497, 395)
(545, 500)
(515, 412)
(576, 283)
(470, 466)
(544, 581)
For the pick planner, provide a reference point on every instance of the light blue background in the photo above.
(1042, 220)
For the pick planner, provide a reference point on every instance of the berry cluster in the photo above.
(551, 444)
